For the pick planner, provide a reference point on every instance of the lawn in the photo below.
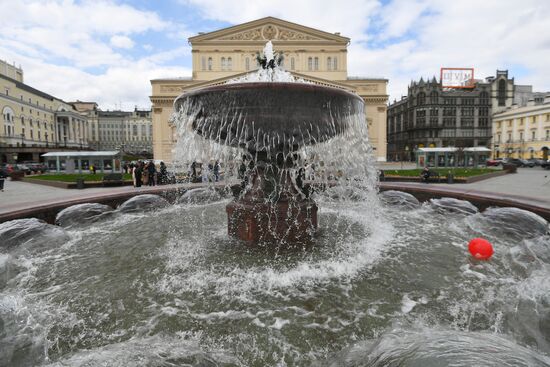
(457, 172)
(72, 177)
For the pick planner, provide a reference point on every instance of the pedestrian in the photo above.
(194, 172)
(125, 167)
(204, 173)
(138, 174)
(425, 174)
(163, 174)
(217, 171)
(145, 173)
(3, 176)
(93, 169)
(152, 172)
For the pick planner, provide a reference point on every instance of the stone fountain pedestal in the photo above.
(273, 208)
(282, 221)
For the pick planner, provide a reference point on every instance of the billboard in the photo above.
(457, 77)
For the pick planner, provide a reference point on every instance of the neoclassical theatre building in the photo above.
(311, 54)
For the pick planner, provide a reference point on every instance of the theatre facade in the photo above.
(313, 55)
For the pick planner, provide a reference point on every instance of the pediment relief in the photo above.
(270, 32)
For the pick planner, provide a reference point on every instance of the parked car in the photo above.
(545, 165)
(495, 162)
(37, 167)
(23, 168)
(521, 162)
(536, 161)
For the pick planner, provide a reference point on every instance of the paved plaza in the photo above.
(531, 183)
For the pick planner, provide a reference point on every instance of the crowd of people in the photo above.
(146, 173)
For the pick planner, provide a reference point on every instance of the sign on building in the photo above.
(457, 77)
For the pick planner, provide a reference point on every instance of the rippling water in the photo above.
(382, 286)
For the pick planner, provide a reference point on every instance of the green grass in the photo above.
(457, 172)
(72, 177)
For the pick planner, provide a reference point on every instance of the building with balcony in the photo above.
(34, 122)
(523, 131)
(432, 116)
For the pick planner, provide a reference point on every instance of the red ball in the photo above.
(480, 248)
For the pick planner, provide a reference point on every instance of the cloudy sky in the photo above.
(108, 50)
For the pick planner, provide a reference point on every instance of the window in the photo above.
(210, 63)
(533, 135)
(434, 98)
(501, 96)
(247, 63)
(134, 130)
(483, 98)
(203, 63)
(329, 63)
(335, 63)
(421, 99)
(316, 63)
(520, 136)
(224, 64)
(310, 63)
(547, 134)
(292, 63)
(229, 63)
(483, 122)
(467, 111)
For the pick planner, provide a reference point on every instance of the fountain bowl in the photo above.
(269, 116)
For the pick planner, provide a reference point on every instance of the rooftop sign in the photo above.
(457, 77)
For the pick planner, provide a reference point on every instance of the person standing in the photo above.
(205, 173)
(163, 174)
(217, 171)
(193, 171)
(151, 171)
(138, 171)
(3, 176)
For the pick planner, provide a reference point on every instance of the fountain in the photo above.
(271, 121)
(389, 281)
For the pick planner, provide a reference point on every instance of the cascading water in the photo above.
(387, 283)
(277, 136)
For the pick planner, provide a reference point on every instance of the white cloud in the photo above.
(350, 17)
(122, 42)
(74, 31)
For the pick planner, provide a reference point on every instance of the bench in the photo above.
(112, 179)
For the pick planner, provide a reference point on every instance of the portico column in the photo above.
(57, 164)
(79, 165)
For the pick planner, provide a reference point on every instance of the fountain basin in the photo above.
(269, 116)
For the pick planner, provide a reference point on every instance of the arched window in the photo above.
(224, 64)
(329, 63)
(229, 63)
(310, 63)
(335, 63)
(8, 115)
(210, 63)
(203, 63)
(247, 63)
(501, 92)
(292, 65)
(316, 63)
(433, 97)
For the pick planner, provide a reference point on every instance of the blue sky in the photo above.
(108, 50)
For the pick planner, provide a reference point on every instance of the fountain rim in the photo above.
(306, 87)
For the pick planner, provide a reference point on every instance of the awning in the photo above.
(110, 154)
